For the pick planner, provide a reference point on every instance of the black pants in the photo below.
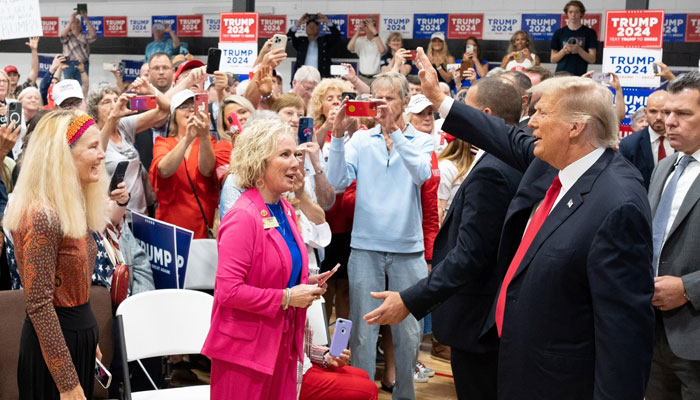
(475, 374)
(80, 332)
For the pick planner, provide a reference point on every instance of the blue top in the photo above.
(286, 231)
(161, 46)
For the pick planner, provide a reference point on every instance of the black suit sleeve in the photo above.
(297, 43)
(483, 209)
(510, 144)
(334, 36)
(621, 283)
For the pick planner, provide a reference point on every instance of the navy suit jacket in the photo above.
(325, 45)
(465, 278)
(578, 320)
(637, 149)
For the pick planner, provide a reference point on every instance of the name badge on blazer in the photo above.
(270, 222)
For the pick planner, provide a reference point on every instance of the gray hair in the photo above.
(307, 74)
(395, 80)
(689, 80)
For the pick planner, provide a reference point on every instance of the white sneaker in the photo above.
(418, 376)
(425, 370)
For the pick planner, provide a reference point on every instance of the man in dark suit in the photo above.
(463, 283)
(674, 194)
(574, 310)
(312, 49)
(646, 147)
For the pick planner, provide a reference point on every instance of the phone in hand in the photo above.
(657, 68)
(305, 132)
(142, 103)
(233, 123)
(14, 113)
(333, 271)
(356, 108)
(339, 70)
(349, 95)
(470, 48)
(341, 337)
(411, 55)
(118, 175)
(81, 7)
(213, 60)
(201, 101)
(110, 67)
(64, 59)
(279, 41)
(602, 77)
(159, 26)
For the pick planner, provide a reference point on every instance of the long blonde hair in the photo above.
(444, 53)
(49, 180)
(459, 152)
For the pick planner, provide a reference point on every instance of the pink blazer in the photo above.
(254, 266)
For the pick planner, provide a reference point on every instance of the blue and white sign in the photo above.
(501, 26)
(130, 70)
(634, 67)
(44, 65)
(97, 23)
(167, 247)
(138, 27)
(541, 26)
(238, 58)
(211, 25)
(166, 20)
(425, 25)
(396, 23)
(674, 27)
(635, 98)
(339, 20)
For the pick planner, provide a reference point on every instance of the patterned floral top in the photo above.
(56, 271)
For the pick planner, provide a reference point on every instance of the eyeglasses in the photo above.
(5, 81)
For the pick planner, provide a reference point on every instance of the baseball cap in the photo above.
(417, 104)
(438, 35)
(187, 65)
(10, 69)
(66, 89)
(179, 98)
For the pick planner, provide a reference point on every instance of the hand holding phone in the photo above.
(142, 103)
(233, 122)
(213, 60)
(201, 101)
(356, 108)
(305, 132)
(341, 337)
(333, 271)
(339, 70)
(118, 175)
(102, 374)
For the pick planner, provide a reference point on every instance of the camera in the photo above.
(572, 41)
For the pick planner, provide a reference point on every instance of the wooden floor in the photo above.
(441, 386)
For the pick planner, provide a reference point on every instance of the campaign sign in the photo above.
(355, 20)
(674, 27)
(130, 70)
(238, 58)
(211, 24)
(49, 26)
(541, 26)
(115, 26)
(634, 67)
(462, 26)
(501, 27)
(239, 27)
(138, 27)
(63, 23)
(271, 25)
(692, 29)
(402, 24)
(20, 19)
(97, 23)
(166, 20)
(634, 28)
(189, 25)
(44, 65)
(592, 21)
(339, 20)
(167, 247)
(424, 25)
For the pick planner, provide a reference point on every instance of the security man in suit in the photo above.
(674, 195)
(463, 283)
(312, 49)
(646, 147)
(574, 309)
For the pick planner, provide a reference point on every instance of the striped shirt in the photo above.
(77, 48)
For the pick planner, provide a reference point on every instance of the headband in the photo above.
(78, 127)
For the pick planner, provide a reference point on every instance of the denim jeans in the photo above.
(72, 72)
(368, 271)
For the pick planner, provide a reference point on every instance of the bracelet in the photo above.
(287, 298)
(124, 204)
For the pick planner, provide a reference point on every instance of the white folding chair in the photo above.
(160, 323)
(201, 264)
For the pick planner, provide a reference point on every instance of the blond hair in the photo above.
(230, 99)
(585, 101)
(316, 103)
(49, 180)
(254, 146)
(459, 153)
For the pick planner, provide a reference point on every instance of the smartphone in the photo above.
(81, 7)
(305, 132)
(341, 336)
(470, 47)
(349, 95)
(142, 103)
(657, 69)
(453, 67)
(201, 101)
(233, 123)
(110, 67)
(159, 26)
(572, 41)
(102, 374)
(602, 77)
(213, 60)
(355, 108)
(339, 70)
(118, 175)
(411, 55)
(333, 271)
(64, 60)
(279, 41)
(14, 113)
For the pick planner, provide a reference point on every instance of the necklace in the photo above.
(279, 216)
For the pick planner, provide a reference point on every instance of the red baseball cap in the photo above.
(11, 68)
(187, 65)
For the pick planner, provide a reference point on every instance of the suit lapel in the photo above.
(277, 239)
(665, 168)
(689, 201)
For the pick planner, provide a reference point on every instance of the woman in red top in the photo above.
(54, 208)
(182, 171)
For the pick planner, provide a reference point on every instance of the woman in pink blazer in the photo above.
(262, 287)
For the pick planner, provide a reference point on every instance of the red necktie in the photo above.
(662, 149)
(535, 224)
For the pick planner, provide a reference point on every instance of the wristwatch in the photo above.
(319, 171)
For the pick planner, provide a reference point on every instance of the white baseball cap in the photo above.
(66, 89)
(438, 35)
(179, 98)
(417, 104)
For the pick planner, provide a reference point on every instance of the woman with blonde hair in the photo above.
(228, 130)
(439, 55)
(54, 208)
(324, 104)
(454, 163)
(520, 54)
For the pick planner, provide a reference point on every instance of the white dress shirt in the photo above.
(654, 138)
(686, 180)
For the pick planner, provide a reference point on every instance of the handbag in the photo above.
(120, 284)
(210, 232)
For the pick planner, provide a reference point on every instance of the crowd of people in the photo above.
(490, 208)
